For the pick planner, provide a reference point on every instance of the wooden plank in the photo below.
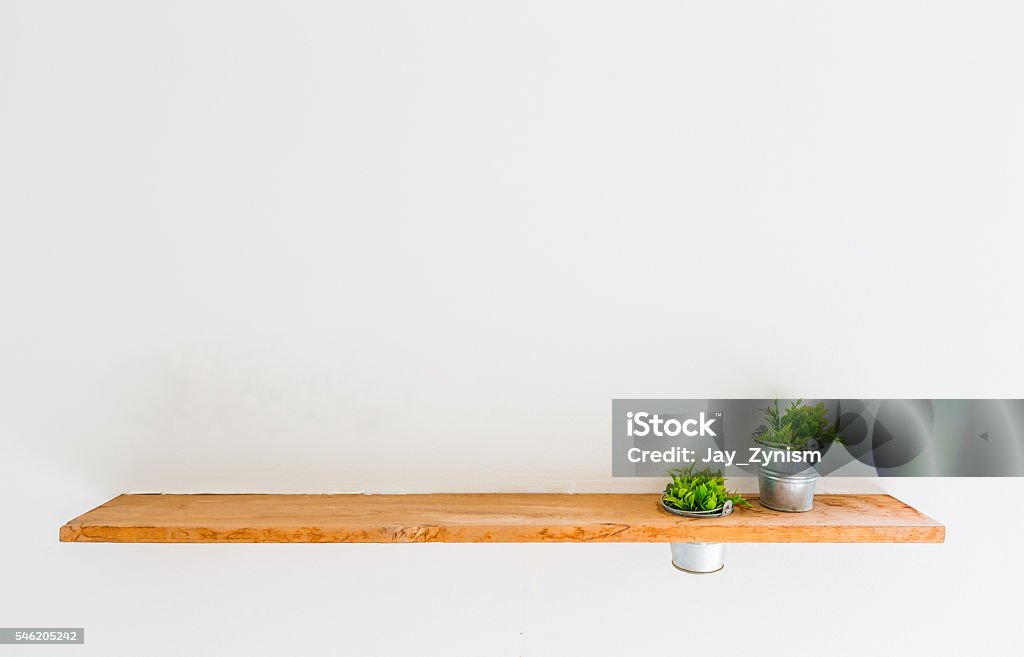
(486, 518)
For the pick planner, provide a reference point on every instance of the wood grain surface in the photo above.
(486, 518)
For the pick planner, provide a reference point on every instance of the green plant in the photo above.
(797, 426)
(703, 490)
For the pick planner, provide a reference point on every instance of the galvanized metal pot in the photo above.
(699, 558)
(785, 486)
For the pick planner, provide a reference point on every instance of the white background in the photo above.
(420, 246)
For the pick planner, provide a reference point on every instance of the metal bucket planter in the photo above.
(699, 558)
(786, 486)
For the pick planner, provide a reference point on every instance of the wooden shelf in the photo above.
(486, 518)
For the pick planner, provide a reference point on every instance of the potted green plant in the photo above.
(699, 494)
(791, 442)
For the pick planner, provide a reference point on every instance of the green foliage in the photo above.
(797, 426)
(698, 491)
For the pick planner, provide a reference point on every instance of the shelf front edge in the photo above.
(485, 518)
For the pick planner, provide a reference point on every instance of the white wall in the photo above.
(420, 246)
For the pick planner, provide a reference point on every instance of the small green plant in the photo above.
(798, 426)
(703, 490)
